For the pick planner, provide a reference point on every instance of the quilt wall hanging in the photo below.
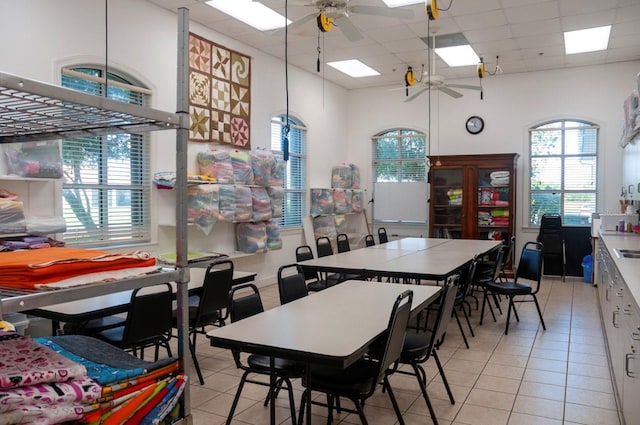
(219, 94)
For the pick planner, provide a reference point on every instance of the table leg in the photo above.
(308, 379)
(272, 391)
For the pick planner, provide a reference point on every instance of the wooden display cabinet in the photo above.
(473, 196)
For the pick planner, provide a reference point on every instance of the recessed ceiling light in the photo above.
(251, 13)
(354, 68)
(458, 55)
(587, 40)
(398, 3)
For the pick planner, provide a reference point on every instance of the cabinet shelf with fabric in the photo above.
(473, 196)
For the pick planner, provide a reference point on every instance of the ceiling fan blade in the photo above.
(382, 11)
(348, 29)
(416, 94)
(464, 86)
(295, 24)
(450, 92)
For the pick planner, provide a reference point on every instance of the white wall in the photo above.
(512, 104)
(40, 36)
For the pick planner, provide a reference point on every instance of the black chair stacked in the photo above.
(313, 279)
(342, 241)
(245, 301)
(419, 347)
(551, 236)
(464, 288)
(148, 323)
(529, 268)
(291, 286)
(359, 381)
(369, 240)
(382, 235)
(211, 308)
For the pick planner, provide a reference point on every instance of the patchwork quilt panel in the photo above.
(219, 94)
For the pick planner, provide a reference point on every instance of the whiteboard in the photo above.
(405, 201)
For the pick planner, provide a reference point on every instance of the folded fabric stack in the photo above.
(484, 218)
(261, 204)
(499, 178)
(202, 206)
(243, 205)
(12, 216)
(78, 378)
(242, 168)
(500, 217)
(227, 202)
(35, 269)
(276, 196)
(251, 237)
(262, 165)
(321, 202)
(455, 197)
(274, 241)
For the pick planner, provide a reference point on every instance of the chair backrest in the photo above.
(343, 242)
(530, 264)
(509, 251)
(323, 246)
(498, 263)
(303, 253)
(466, 279)
(243, 305)
(551, 234)
(382, 235)
(395, 333)
(292, 286)
(214, 298)
(369, 240)
(445, 311)
(149, 317)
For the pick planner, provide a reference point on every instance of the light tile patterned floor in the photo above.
(529, 377)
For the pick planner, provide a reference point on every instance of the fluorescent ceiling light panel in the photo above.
(587, 40)
(251, 13)
(398, 3)
(354, 68)
(458, 55)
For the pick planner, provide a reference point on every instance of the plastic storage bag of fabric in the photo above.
(242, 169)
(261, 204)
(274, 241)
(251, 237)
(262, 165)
(243, 206)
(276, 195)
(321, 201)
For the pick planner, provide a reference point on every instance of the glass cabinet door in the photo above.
(493, 203)
(447, 203)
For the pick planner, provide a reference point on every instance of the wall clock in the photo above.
(475, 124)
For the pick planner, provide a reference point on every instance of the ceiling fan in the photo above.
(432, 81)
(332, 13)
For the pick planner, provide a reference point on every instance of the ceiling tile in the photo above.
(405, 45)
(391, 33)
(546, 26)
(489, 34)
(471, 7)
(540, 41)
(493, 48)
(628, 13)
(533, 12)
(441, 26)
(589, 20)
(578, 7)
(481, 20)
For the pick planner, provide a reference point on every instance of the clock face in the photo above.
(475, 125)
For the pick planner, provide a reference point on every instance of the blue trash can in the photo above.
(587, 268)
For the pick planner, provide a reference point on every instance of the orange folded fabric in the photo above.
(23, 269)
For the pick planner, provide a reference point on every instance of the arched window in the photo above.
(295, 176)
(399, 155)
(563, 162)
(106, 186)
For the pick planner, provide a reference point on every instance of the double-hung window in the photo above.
(106, 185)
(563, 161)
(399, 155)
(295, 185)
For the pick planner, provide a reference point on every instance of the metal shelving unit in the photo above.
(32, 111)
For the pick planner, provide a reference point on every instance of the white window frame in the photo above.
(400, 133)
(294, 207)
(103, 198)
(563, 156)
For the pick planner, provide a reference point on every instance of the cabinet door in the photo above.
(447, 203)
(631, 359)
(494, 203)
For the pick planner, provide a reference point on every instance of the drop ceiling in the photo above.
(526, 36)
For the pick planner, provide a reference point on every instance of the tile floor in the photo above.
(529, 377)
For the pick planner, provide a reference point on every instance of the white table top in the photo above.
(333, 326)
(428, 258)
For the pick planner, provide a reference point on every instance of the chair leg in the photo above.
(466, 317)
(303, 405)
(511, 306)
(192, 348)
(434, 353)
(423, 388)
(535, 300)
(394, 402)
(360, 409)
(237, 397)
(464, 337)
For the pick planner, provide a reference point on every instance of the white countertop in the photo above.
(629, 267)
